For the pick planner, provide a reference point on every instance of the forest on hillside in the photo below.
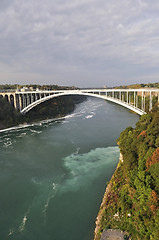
(140, 85)
(132, 204)
(57, 107)
(34, 87)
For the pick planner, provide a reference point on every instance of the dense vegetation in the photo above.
(8, 115)
(55, 107)
(34, 87)
(52, 108)
(132, 202)
(141, 85)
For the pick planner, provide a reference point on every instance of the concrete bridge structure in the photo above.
(128, 98)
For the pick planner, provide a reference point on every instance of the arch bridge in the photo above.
(137, 100)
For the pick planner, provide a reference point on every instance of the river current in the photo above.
(53, 174)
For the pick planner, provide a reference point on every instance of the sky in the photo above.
(82, 43)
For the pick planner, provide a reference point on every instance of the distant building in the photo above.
(24, 89)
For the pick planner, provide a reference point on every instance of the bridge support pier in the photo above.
(15, 102)
(134, 98)
(20, 103)
(120, 96)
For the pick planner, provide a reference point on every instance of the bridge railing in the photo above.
(130, 98)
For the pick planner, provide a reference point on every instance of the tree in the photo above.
(154, 159)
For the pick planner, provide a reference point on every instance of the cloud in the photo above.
(84, 42)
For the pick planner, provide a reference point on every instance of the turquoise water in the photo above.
(53, 174)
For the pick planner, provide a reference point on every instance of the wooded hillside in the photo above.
(132, 204)
(52, 108)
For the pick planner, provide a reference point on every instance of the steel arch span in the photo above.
(88, 94)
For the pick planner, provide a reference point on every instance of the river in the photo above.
(53, 174)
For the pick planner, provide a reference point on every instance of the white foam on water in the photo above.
(21, 228)
(85, 110)
(73, 115)
(88, 166)
(8, 144)
(77, 151)
(70, 116)
(11, 231)
(35, 181)
(54, 186)
(89, 116)
(33, 132)
(51, 195)
(25, 125)
(21, 135)
(25, 219)
(46, 206)
(15, 128)
(46, 191)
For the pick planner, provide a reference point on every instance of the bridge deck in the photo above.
(128, 98)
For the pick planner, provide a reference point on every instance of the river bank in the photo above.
(27, 125)
(53, 108)
(131, 201)
(98, 231)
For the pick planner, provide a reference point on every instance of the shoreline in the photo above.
(97, 235)
(39, 122)
(26, 125)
